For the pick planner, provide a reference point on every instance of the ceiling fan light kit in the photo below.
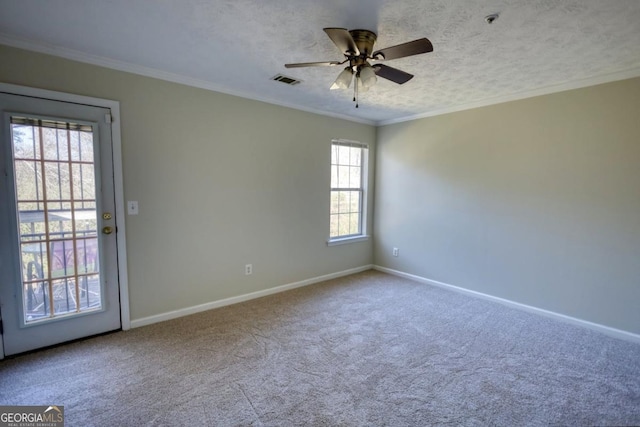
(344, 79)
(357, 48)
(367, 76)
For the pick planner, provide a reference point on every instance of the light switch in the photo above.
(132, 207)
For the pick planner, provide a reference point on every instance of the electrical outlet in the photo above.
(396, 251)
(248, 269)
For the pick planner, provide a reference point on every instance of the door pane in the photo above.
(56, 200)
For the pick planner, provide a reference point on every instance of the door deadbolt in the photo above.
(106, 216)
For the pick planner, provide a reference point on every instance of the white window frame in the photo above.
(364, 180)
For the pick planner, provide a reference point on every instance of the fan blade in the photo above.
(406, 49)
(393, 74)
(342, 39)
(313, 64)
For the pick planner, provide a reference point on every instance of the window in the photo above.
(348, 191)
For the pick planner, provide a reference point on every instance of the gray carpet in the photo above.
(368, 349)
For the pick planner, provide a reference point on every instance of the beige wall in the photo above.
(535, 201)
(221, 182)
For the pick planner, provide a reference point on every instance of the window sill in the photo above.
(346, 240)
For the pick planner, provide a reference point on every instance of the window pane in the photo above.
(87, 255)
(356, 156)
(334, 232)
(62, 144)
(62, 258)
(354, 177)
(36, 300)
(344, 202)
(74, 141)
(354, 205)
(86, 220)
(343, 176)
(334, 176)
(335, 202)
(34, 256)
(344, 154)
(57, 180)
(60, 221)
(86, 146)
(50, 142)
(25, 145)
(83, 182)
(354, 223)
(334, 154)
(28, 180)
(343, 224)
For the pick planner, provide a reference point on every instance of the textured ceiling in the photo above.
(236, 46)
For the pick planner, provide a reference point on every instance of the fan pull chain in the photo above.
(355, 87)
(355, 90)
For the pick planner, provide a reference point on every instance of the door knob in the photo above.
(107, 230)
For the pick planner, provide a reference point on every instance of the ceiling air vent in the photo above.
(287, 80)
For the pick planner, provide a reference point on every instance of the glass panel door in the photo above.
(58, 240)
(55, 182)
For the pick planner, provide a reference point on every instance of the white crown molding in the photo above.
(547, 90)
(101, 61)
(202, 84)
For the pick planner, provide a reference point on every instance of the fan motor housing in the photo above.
(365, 40)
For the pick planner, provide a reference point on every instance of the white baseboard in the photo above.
(241, 298)
(613, 332)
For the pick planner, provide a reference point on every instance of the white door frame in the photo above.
(120, 211)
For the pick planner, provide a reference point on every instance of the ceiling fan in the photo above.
(357, 47)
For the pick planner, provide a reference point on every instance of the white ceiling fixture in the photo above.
(236, 47)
